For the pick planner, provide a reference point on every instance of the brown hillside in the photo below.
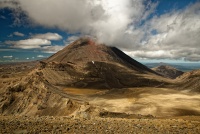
(190, 81)
(168, 71)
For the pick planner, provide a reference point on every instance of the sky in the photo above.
(147, 30)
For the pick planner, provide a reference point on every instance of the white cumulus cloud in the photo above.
(10, 56)
(51, 49)
(18, 34)
(29, 43)
(48, 36)
(40, 56)
(110, 21)
(40, 42)
(71, 39)
(176, 33)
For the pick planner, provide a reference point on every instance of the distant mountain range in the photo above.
(185, 67)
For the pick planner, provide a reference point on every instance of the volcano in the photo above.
(86, 50)
(53, 86)
(88, 64)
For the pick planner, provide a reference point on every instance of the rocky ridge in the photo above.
(189, 81)
(168, 71)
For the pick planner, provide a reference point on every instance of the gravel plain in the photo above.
(69, 125)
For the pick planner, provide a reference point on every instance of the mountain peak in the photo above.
(87, 63)
(86, 50)
(81, 51)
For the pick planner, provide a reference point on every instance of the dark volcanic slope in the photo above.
(86, 63)
(129, 61)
